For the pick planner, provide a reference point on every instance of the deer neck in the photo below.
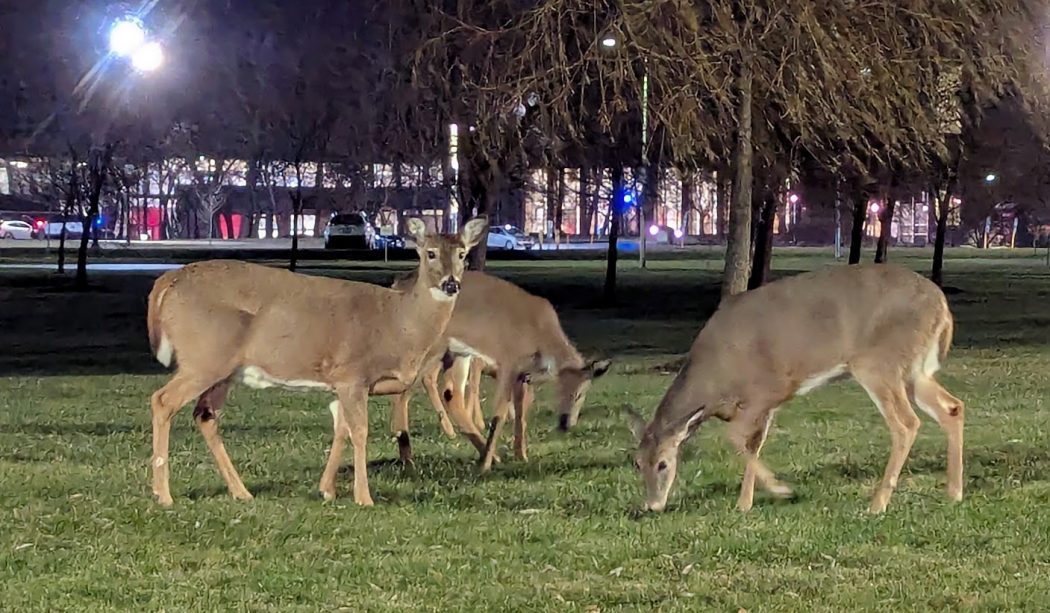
(689, 391)
(429, 313)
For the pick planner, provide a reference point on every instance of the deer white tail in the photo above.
(158, 340)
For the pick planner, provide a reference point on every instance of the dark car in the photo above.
(389, 241)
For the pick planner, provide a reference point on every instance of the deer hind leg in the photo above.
(206, 414)
(888, 393)
(523, 397)
(456, 393)
(165, 402)
(748, 436)
(504, 396)
(430, 383)
(947, 410)
(353, 400)
(340, 434)
(474, 393)
(399, 426)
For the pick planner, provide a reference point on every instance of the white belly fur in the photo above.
(820, 379)
(460, 348)
(257, 378)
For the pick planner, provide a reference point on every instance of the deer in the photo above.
(223, 321)
(518, 337)
(886, 327)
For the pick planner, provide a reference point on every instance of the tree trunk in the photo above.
(585, 202)
(685, 215)
(97, 164)
(738, 243)
(71, 203)
(860, 212)
(615, 213)
(763, 255)
(552, 198)
(943, 204)
(885, 227)
(722, 204)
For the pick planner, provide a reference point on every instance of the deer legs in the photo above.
(206, 414)
(164, 403)
(748, 436)
(504, 397)
(947, 410)
(349, 416)
(889, 395)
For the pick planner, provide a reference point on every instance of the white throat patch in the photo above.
(441, 296)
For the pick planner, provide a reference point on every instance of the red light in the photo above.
(40, 223)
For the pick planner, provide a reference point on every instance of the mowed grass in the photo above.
(79, 530)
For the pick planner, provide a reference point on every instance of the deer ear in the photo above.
(416, 228)
(473, 230)
(634, 420)
(597, 368)
(688, 424)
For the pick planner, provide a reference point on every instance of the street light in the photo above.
(148, 57)
(990, 177)
(126, 36)
(609, 42)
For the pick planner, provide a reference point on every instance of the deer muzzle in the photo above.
(450, 286)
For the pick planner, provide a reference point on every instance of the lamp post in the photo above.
(610, 42)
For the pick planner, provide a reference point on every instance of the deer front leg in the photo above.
(340, 432)
(523, 397)
(474, 393)
(504, 395)
(354, 401)
(748, 436)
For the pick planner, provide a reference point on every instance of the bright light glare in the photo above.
(609, 42)
(148, 57)
(678, 234)
(628, 198)
(654, 230)
(990, 178)
(793, 198)
(874, 207)
(126, 36)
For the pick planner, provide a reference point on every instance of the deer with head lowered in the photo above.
(885, 326)
(223, 321)
(514, 334)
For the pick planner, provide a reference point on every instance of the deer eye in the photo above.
(662, 466)
(431, 254)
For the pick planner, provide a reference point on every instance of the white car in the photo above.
(349, 230)
(19, 230)
(508, 237)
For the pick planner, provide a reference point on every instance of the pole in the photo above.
(642, 230)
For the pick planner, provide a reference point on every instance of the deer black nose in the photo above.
(450, 286)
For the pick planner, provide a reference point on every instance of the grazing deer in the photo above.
(517, 336)
(887, 327)
(227, 320)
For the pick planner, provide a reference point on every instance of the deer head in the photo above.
(443, 258)
(573, 385)
(657, 455)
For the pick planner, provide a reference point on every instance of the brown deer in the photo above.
(224, 320)
(887, 327)
(515, 335)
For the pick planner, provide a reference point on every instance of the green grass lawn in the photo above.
(79, 530)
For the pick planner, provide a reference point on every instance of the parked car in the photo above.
(349, 231)
(52, 228)
(14, 229)
(389, 241)
(509, 237)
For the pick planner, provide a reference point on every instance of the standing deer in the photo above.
(516, 335)
(227, 320)
(887, 327)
